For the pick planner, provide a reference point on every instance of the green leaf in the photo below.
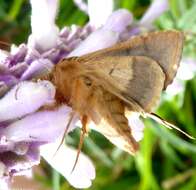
(98, 152)
(15, 9)
(144, 162)
(171, 155)
(187, 21)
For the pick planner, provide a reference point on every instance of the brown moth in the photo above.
(131, 75)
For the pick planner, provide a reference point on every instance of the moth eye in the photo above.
(87, 81)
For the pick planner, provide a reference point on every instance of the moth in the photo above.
(129, 76)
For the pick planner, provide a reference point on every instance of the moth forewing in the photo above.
(114, 125)
(163, 47)
(136, 80)
(115, 138)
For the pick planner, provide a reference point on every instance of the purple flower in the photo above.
(83, 173)
(24, 129)
(154, 11)
(105, 7)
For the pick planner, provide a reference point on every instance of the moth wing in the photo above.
(137, 80)
(113, 136)
(108, 114)
(163, 47)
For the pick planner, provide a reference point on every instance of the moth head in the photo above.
(63, 76)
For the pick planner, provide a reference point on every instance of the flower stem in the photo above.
(55, 180)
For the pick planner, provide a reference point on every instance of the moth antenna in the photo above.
(167, 124)
(82, 135)
(65, 132)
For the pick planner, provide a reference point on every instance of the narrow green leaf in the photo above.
(15, 9)
(188, 20)
(171, 154)
(97, 152)
(144, 161)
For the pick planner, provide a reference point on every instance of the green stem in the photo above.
(55, 180)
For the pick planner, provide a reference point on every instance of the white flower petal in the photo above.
(175, 87)
(63, 162)
(2, 169)
(154, 11)
(187, 69)
(44, 31)
(137, 126)
(81, 5)
(4, 184)
(99, 11)
(43, 126)
(118, 20)
(37, 68)
(99, 39)
(17, 50)
(3, 56)
(107, 35)
(25, 98)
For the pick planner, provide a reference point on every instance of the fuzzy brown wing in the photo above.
(163, 47)
(137, 80)
(108, 113)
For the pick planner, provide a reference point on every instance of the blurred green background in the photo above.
(167, 159)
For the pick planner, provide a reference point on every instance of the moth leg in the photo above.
(65, 132)
(82, 135)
